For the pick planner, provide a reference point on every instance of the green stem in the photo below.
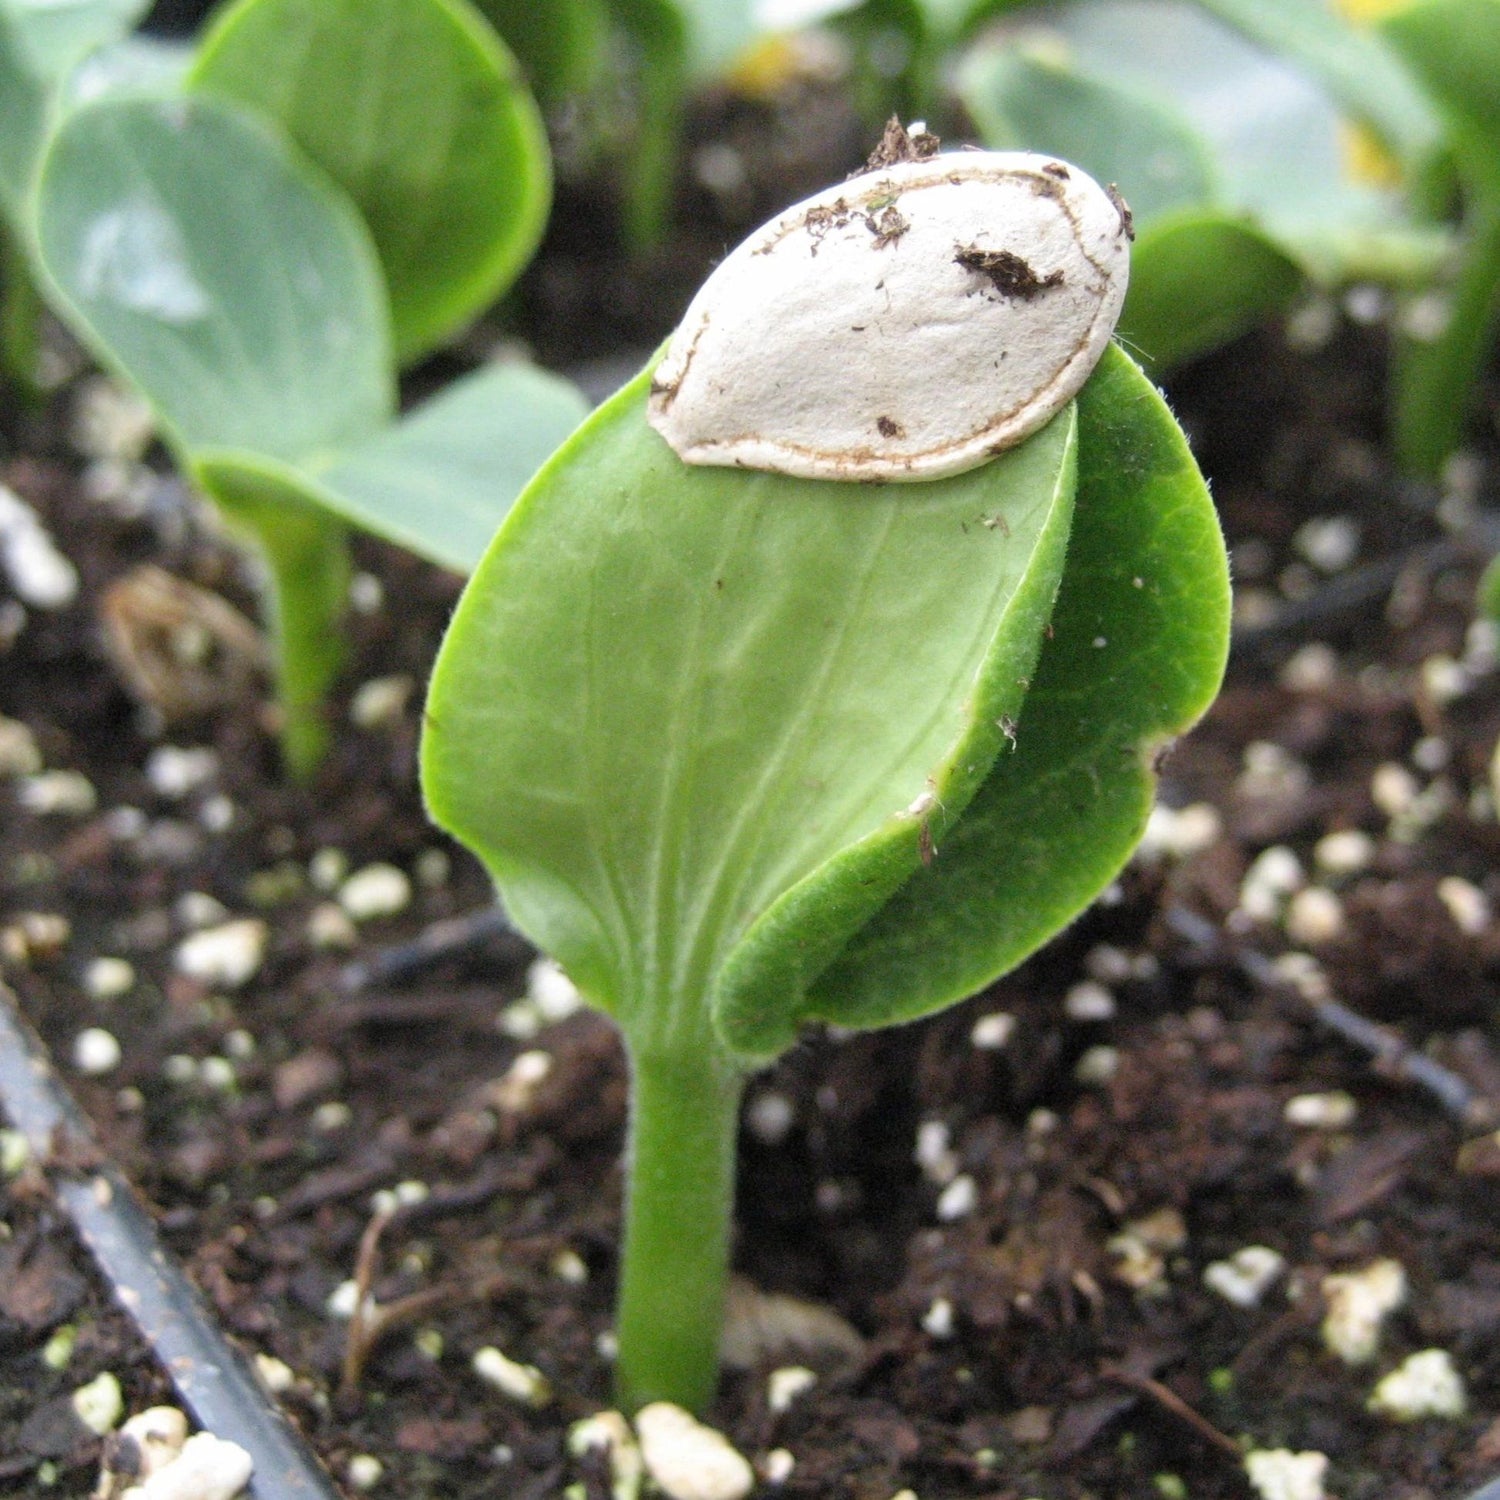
(309, 587)
(20, 317)
(649, 170)
(306, 550)
(1436, 381)
(679, 1209)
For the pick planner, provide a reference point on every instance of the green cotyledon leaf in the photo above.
(196, 254)
(416, 110)
(41, 42)
(1136, 652)
(440, 481)
(1030, 99)
(673, 697)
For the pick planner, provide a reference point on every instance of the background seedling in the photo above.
(737, 748)
(1235, 159)
(419, 114)
(199, 253)
(1259, 144)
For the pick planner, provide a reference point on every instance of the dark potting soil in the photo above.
(1012, 1204)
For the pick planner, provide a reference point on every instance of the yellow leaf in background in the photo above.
(773, 64)
(1365, 159)
(1367, 12)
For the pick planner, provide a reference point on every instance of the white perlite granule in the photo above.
(1424, 1385)
(688, 1460)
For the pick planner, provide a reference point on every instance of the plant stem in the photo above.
(20, 317)
(309, 586)
(1436, 381)
(679, 1208)
(306, 552)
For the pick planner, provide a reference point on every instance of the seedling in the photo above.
(338, 185)
(746, 750)
(1235, 158)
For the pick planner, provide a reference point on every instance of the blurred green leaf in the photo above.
(416, 110)
(1453, 47)
(133, 65)
(53, 35)
(895, 60)
(655, 38)
(440, 481)
(949, 18)
(1024, 100)
(40, 42)
(1198, 279)
(1487, 595)
(1273, 133)
(1355, 66)
(199, 257)
(1232, 160)
(239, 292)
(219, 274)
(561, 44)
(720, 30)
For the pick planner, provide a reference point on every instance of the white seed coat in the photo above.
(907, 324)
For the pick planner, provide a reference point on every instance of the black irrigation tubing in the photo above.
(213, 1379)
(1361, 586)
(1384, 1046)
(446, 939)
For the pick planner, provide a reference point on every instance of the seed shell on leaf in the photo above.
(907, 324)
